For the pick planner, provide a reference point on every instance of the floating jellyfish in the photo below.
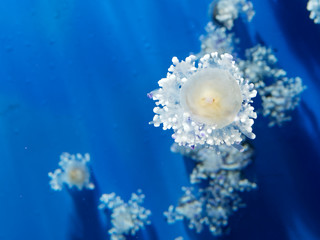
(260, 65)
(217, 39)
(280, 98)
(208, 104)
(314, 7)
(225, 12)
(126, 218)
(74, 172)
(218, 173)
(279, 94)
(211, 205)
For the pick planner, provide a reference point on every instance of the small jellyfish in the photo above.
(260, 65)
(280, 95)
(126, 218)
(212, 205)
(205, 104)
(74, 172)
(280, 98)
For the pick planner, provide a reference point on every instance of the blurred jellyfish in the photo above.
(280, 98)
(225, 12)
(216, 39)
(314, 7)
(279, 94)
(74, 172)
(126, 218)
(211, 205)
(218, 173)
(260, 65)
(210, 161)
(205, 104)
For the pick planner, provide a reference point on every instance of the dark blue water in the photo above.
(74, 77)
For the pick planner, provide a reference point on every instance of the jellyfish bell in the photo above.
(77, 175)
(212, 96)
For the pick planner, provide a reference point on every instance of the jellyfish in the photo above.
(314, 7)
(126, 218)
(220, 181)
(225, 12)
(74, 172)
(211, 205)
(260, 65)
(205, 104)
(218, 175)
(281, 97)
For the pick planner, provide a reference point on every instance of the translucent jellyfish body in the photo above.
(314, 7)
(205, 104)
(212, 96)
(225, 12)
(126, 218)
(74, 172)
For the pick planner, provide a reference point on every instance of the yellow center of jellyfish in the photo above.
(76, 176)
(212, 96)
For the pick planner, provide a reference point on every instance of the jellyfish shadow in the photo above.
(85, 223)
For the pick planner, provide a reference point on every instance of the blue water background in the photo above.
(74, 77)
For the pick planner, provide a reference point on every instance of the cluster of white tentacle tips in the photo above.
(74, 172)
(217, 198)
(260, 65)
(126, 218)
(216, 39)
(210, 162)
(314, 7)
(280, 95)
(225, 12)
(280, 98)
(207, 103)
